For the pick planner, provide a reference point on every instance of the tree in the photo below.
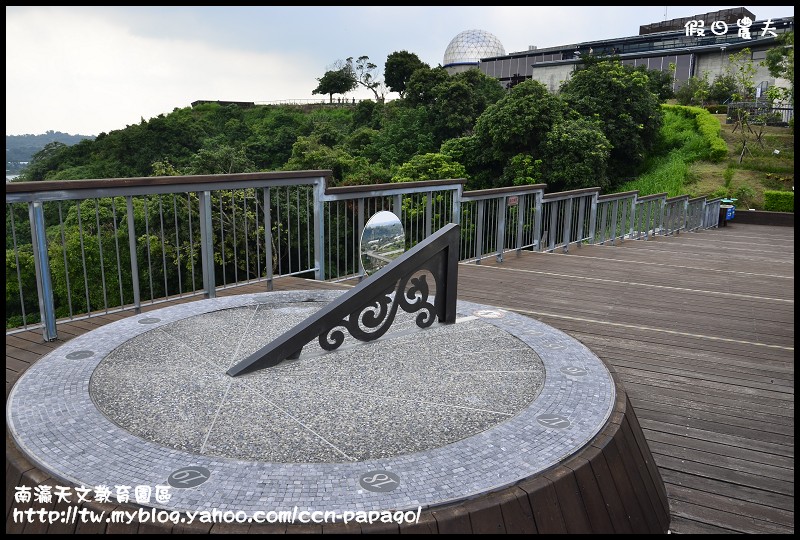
(630, 114)
(364, 73)
(432, 166)
(43, 160)
(660, 82)
(780, 61)
(575, 155)
(744, 72)
(695, 91)
(518, 122)
(400, 65)
(338, 81)
(722, 88)
(420, 87)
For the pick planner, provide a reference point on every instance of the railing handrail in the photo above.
(511, 190)
(652, 197)
(621, 195)
(95, 183)
(120, 187)
(572, 193)
(429, 185)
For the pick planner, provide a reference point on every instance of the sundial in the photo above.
(446, 404)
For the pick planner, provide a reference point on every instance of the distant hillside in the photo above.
(21, 148)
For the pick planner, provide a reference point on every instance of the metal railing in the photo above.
(76, 249)
(615, 217)
(760, 112)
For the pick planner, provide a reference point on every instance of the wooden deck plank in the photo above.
(700, 330)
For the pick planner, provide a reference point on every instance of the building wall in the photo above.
(553, 76)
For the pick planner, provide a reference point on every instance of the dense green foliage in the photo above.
(779, 201)
(780, 61)
(595, 131)
(715, 148)
(620, 98)
(688, 134)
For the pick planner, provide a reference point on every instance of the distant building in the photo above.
(681, 44)
(243, 104)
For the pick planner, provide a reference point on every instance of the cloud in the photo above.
(85, 73)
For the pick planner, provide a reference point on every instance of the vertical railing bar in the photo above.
(581, 224)
(521, 209)
(63, 249)
(614, 217)
(479, 231)
(501, 227)
(299, 242)
(319, 228)
(258, 235)
(100, 249)
(19, 275)
(268, 236)
(330, 230)
(233, 229)
(177, 244)
(41, 262)
(83, 259)
(163, 248)
(553, 208)
(360, 263)
(567, 224)
(280, 231)
(116, 244)
(204, 204)
(191, 239)
(603, 224)
(288, 231)
(137, 300)
(246, 238)
(222, 240)
(308, 231)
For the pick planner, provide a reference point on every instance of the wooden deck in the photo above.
(699, 327)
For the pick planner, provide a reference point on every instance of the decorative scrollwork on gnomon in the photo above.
(378, 316)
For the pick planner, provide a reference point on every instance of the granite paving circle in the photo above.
(420, 417)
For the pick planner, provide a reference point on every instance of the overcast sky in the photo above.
(86, 70)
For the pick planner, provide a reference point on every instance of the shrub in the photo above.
(708, 126)
(779, 201)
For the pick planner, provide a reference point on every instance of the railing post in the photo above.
(268, 235)
(537, 220)
(633, 215)
(551, 241)
(41, 264)
(479, 232)
(206, 247)
(581, 217)
(593, 218)
(521, 221)
(457, 204)
(501, 227)
(428, 214)
(361, 271)
(614, 217)
(137, 300)
(603, 224)
(398, 206)
(319, 229)
(567, 234)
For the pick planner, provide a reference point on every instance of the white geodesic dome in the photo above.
(470, 46)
